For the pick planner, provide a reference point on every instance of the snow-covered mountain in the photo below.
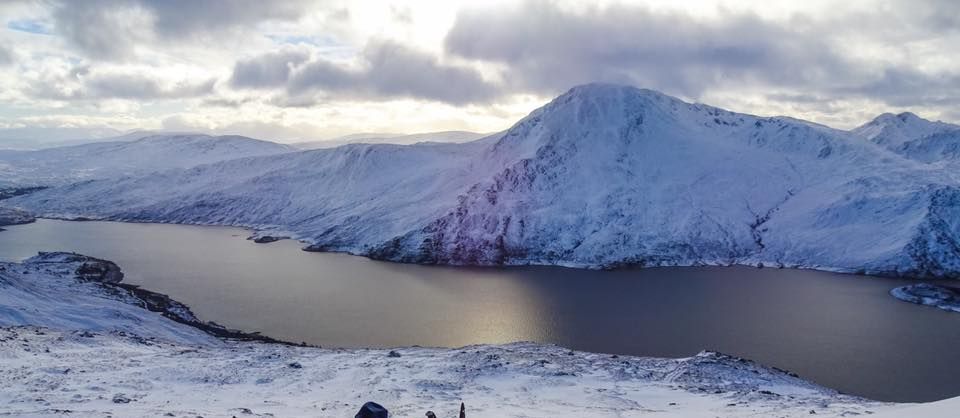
(602, 176)
(131, 154)
(443, 136)
(892, 130)
(914, 137)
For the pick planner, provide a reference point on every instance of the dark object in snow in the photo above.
(266, 239)
(371, 410)
(121, 398)
(463, 411)
(430, 414)
(393, 354)
(295, 365)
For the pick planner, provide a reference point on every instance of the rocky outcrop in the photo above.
(109, 275)
(946, 298)
(935, 249)
(10, 216)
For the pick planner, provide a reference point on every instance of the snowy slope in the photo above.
(70, 343)
(125, 157)
(94, 375)
(443, 136)
(602, 176)
(47, 291)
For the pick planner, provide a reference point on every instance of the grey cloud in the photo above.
(110, 29)
(100, 28)
(385, 70)
(932, 14)
(6, 56)
(545, 48)
(549, 49)
(93, 85)
(174, 18)
(131, 86)
(227, 102)
(268, 70)
(905, 87)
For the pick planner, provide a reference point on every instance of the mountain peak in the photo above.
(600, 89)
(891, 130)
(899, 118)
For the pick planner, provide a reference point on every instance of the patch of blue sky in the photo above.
(327, 46)
(33, 26)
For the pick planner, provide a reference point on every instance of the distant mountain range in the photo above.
(130, 155)
(602, 176)
(374, 138)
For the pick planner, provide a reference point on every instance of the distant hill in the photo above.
(132, 154)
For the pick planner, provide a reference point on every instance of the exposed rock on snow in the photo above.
(372, 410)
(8, 192)
(602, 176)
(946, 298)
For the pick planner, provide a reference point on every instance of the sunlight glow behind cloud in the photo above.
(308, 69)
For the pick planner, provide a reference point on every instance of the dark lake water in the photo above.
(841, 331)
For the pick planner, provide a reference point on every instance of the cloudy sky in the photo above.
(313, 69)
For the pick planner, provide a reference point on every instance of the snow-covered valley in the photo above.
(602, 176)
(75, 342)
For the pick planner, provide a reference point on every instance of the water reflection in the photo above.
(841, 331)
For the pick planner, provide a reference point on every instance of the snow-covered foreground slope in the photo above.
(124, 157)
(440, 137)
(602, 176)
(73, 342)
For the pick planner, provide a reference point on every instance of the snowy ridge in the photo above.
(125, 157)
(602, 176)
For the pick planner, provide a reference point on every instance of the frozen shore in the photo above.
(72, 340)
